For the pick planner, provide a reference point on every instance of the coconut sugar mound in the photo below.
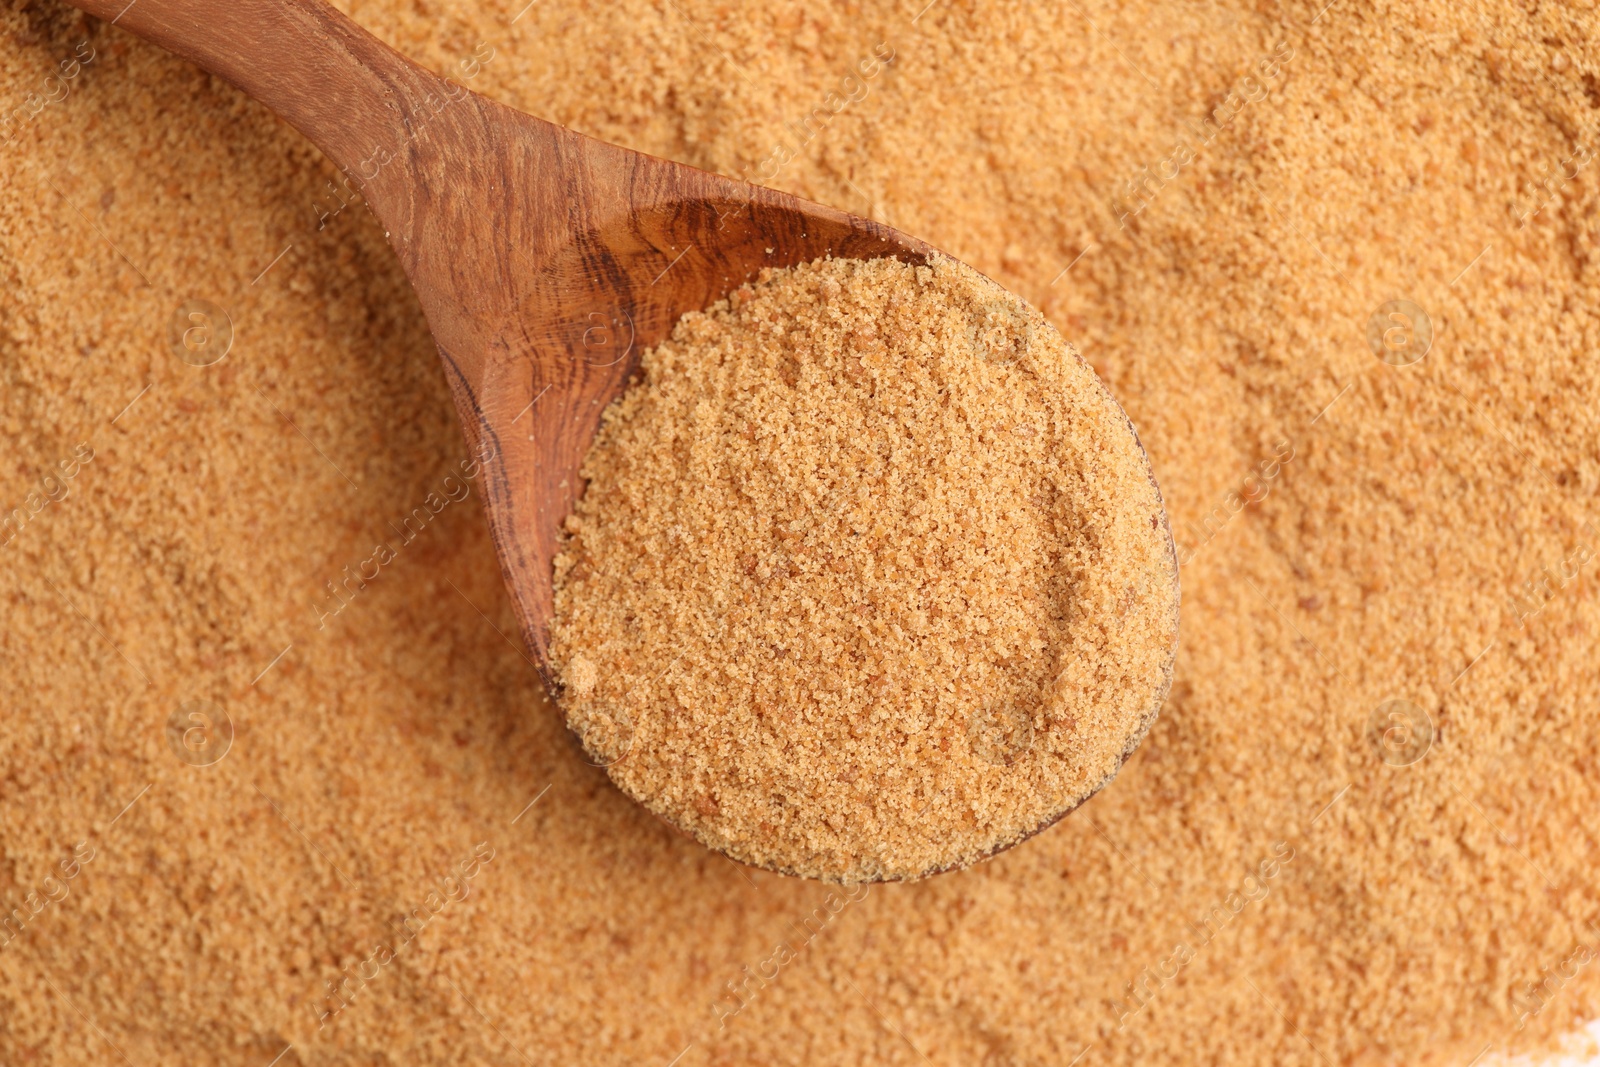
(870, 578)
(1261, 886)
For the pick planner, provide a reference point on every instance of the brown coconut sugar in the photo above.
(870, 577)
(1352, 532)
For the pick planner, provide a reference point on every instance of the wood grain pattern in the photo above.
(545, 261)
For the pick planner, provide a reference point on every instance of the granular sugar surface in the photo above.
(870, 577)
(1214, 201)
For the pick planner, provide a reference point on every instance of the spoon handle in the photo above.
(351, 95)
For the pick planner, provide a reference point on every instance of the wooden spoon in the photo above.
(545, 261)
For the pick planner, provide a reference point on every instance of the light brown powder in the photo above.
(1417, 546)
(870, 578)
